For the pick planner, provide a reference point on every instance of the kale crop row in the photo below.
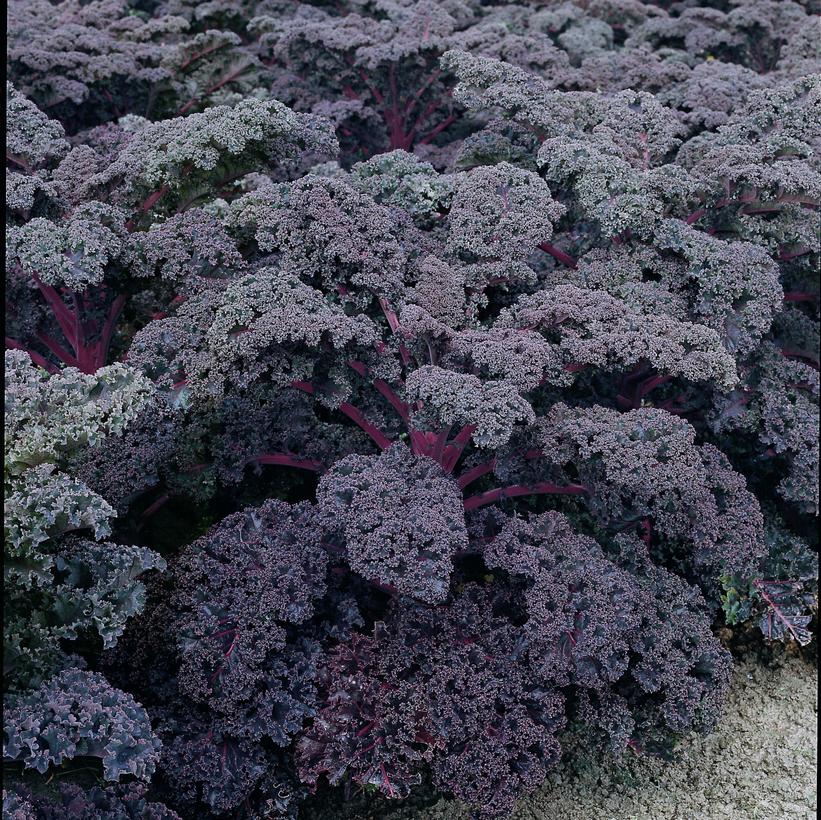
(392, 385)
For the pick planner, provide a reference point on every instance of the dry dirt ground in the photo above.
(759, 765)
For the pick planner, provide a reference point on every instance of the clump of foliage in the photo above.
(392, 384)
(78, 714)
(59, 585)
(110, 803)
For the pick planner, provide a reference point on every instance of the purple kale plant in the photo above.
(398, 391)
(109, 803)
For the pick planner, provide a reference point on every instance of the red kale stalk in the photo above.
(786, 602)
